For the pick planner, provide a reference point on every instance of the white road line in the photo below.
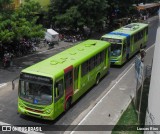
(150, 48)
(25, 132)
(3, 84)
(126, 71)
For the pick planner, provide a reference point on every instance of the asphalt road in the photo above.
(8, 97)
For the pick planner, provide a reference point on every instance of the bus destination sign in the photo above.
(36, 78)
(112, 40)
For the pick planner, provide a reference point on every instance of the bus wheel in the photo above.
(68, 104)
(97, 79)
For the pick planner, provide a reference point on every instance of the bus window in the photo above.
(68, 79)
(116, 49)
(36, 93)
(102, 56)
(76, 72)
(92, 63)
(58, 90)
(85, 68)
(124, 48)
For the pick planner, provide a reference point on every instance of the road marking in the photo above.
(25, 132)
(3, 84)
(126, 71)
(150, 48)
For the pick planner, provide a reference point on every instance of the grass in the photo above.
(130, 117)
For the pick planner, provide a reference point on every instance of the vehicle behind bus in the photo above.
(126, 41)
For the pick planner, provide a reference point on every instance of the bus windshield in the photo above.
(116, 49)
(36, 93)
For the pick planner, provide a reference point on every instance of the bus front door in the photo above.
(59, 97)
(68, 80)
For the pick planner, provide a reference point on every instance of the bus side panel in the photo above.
(88, 80)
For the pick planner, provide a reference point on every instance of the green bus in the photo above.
(49, 87)
(126, 41)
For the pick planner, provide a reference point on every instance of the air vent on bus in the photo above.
(80, 49)
(54, 62)
(63, 58)
(72, 53)
(131, 27)
(92, 43)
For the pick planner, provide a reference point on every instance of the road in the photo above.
(8, 97)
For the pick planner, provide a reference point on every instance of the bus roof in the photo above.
(125, 31)
(72, 56)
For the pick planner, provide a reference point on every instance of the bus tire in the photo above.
(98, 79)
(68, 104)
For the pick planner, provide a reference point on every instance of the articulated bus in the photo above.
(126, 41)
(49, 87)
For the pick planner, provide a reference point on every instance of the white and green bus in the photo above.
(126, 41)
(49, 87)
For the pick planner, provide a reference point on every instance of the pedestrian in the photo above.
(6, 59)
(11, 59)
(142, 53)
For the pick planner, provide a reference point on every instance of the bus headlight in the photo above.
(47, 111)
(21, 105)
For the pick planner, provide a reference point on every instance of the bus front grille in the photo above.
(35, 115)
(32, 106)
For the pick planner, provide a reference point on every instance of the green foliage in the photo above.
(76, 14)
(21, 23)
(4, 3)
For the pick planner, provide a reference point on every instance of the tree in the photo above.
(4, 5)
(93, 12)
(76, 14)
(21, 23)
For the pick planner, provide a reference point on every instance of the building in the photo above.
(152, 113)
